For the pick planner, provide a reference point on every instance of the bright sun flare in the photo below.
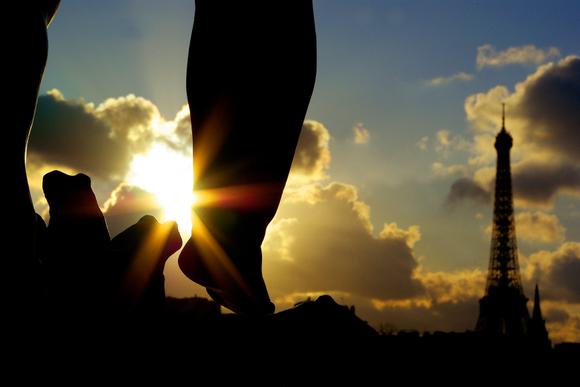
(168, 175)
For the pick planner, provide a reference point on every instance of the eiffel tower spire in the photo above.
(503, 309)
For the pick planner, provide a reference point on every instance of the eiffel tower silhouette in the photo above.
(503, 309)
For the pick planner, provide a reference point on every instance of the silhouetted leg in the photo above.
(250, 76)
(23, 60)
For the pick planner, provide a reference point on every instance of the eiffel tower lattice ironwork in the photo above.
(503, 309)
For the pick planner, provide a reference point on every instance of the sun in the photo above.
(168, 175)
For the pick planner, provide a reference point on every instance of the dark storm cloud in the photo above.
(551, 103)
(539, 183)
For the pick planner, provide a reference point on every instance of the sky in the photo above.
(391, 206)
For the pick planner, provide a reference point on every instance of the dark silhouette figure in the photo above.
(250, 76)
(24, 57)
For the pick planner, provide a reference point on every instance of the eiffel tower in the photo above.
(503, 309)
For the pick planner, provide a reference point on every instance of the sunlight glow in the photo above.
(168, 175)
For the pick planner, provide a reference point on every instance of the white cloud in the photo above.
(440, 81)
(488, 56)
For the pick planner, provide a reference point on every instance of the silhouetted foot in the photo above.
(163, 239)
(76, 247)
(140, 253)
(75, 216)
(241, 290)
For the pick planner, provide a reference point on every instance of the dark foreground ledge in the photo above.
(315, 343)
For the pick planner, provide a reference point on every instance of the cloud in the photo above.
(450, 302)
(458, 315)
(440, 81)
(557, 272)
(99, 140)
(328, 245)
(392, 231)
(466, 188)
(543, 119)
(323, 242)
(488, 56)
(423, 143)
(536, 184)
(445, 142)
(442, 170)
(564, 331)
(361, 134)
(539, 226)
(550, 101)
(130, 119)
(312, 157)
(126, 205)
(178, 134)
(541, 112)
(455, 286)
(67, 132)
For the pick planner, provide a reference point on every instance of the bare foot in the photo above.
(242, 291)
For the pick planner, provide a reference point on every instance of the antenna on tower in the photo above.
(503, 115)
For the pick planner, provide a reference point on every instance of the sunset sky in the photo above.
(388, 205)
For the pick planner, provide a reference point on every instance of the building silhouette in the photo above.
(503, 310)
